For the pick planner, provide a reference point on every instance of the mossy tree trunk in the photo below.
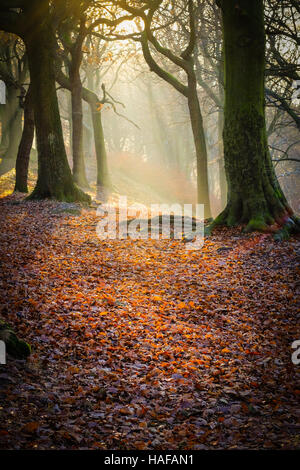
(25, 146)
(254, 195)
(54, 175)
(15, 346)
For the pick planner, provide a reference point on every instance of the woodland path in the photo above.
(142, 344)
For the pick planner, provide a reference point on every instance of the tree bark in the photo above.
(12, 129)
(101, 155)
(79, 172)
(4, 120)
(25, 146)
(254, 194)
(103, 179)
(200, 145)
(222, 174)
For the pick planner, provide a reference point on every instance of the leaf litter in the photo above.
(143, 344)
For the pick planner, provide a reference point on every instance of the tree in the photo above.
(209, 63)
(74, 31)
(208, 58)
(95, 105)
(254, 193)
(14, 73)
(32, 20)
(73, 52)
(185, 62)
(23, 156)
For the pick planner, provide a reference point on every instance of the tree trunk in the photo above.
(8, 111)
(54, 174)
(254, 194)
(101, 155)
(87, 137)
(92, 99)
(222, 174)
(4, 117)
(200, 145)
(79, 172)
(25, 146)
(103, 179)
(12, 129)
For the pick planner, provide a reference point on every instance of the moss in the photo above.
(220, 219)
(70, 193)
(208, 230)
(81, 180)
(232, 221)
(82, 196)
(257, 224)
(269, 219)
(255, 198)
(14, 346)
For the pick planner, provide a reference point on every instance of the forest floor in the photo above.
(143, 344)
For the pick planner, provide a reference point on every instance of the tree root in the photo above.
(291, 226)
(280, 226)
(81, 181)
(73, 194)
